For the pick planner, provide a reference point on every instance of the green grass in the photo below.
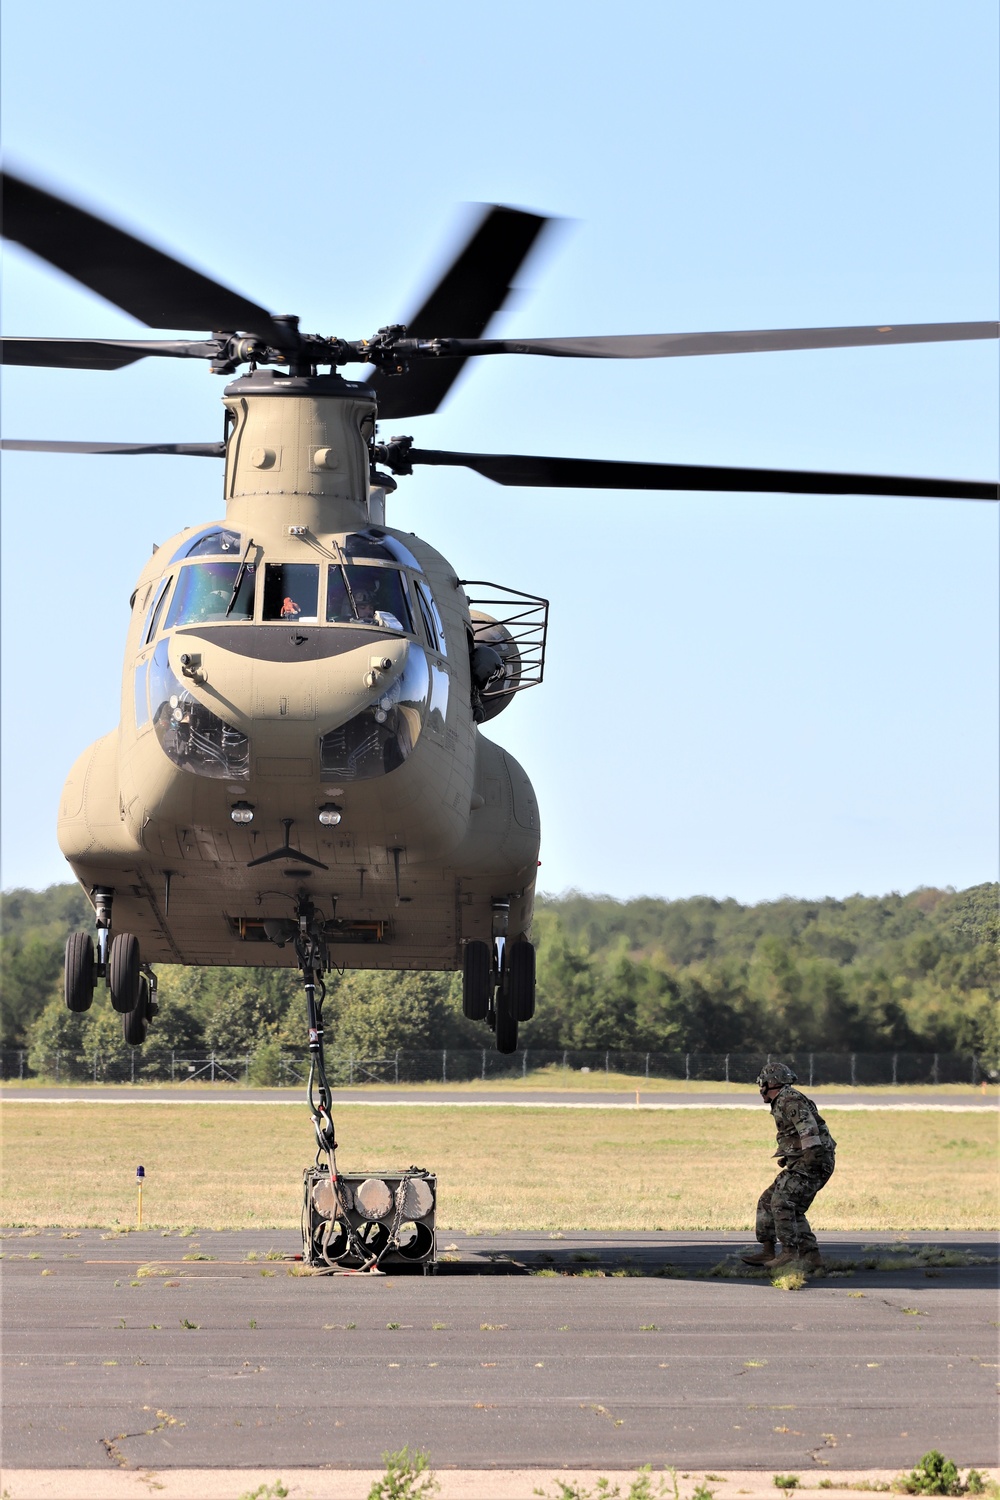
(498, 1169)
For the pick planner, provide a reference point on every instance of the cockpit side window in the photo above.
(291, 592)
(375, 596)
(155, 611)
(431, 618)
(212, 592)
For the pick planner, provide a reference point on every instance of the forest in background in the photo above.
(919, 973)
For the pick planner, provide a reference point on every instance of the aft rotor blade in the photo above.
(151, 285)
(100, 354)
(753, 341)
(471, 291)
(185, 450)
(592, 473)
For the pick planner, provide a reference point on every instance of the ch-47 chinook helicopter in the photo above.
(300, 775)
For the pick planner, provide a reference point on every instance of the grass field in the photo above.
(240, 1166)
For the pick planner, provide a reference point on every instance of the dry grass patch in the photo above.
(241, 1167)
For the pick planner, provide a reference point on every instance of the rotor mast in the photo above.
(300, 442)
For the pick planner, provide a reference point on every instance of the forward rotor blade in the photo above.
(100, 354)
(471, 291)
(753, 341)
(149, 284)
(185, 450)
(591, 473)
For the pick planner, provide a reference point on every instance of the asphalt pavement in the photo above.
(524, 1351)
(520, 1098)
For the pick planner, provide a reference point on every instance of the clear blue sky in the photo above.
(745, 696)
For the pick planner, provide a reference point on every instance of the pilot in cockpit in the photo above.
(365, 596)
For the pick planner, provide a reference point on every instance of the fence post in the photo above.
(57, 1065)
(812, 1058)
(212, 1064)
(444, 1064)
(524, 1064)
(854, 1076)
(95, 1064)
(172, 1060)
(647, 1065)
(484, 1065)
(727, 1067)
(687, 1065)
(975, 1070)
(565, 1060)
(934, 1070)
(607, 1057)
(350, 1068)
(132, 1061)
(895, 1060)
(20, 1065)
(397, 1064)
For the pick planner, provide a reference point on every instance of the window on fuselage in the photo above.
(204, 591)
(368, 595)
(291, 592)
(431, 618)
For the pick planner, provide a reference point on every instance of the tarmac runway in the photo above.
(518, 1354)
(476, 1096)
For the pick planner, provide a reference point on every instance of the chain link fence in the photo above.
(271, 1067)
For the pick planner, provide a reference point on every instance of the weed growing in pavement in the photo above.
(791, 1281)
(786, 1481)
(937, 1475)
(275, 1491)
(645, 1486)
(407, 1476)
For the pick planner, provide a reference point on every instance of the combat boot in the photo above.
(763, 1257)
(811, 1260)
(778, 1262)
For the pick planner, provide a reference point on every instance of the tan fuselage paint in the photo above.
(459, 809)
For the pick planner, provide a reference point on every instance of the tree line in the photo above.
(919, 972)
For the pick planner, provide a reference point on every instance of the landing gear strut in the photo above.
(498, 981)
(117, 961)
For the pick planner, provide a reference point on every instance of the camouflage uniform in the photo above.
(806, 1154)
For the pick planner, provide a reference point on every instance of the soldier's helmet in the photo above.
(775, 1075)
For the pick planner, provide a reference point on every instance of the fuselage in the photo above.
(297, 678)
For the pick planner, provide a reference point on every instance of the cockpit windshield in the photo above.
(368, 595)
(204, 592)
(376, 546)
(211, 541)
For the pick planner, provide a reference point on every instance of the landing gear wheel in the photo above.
(124, 972)
(521, 980)
(79, 971)
(506, 1025)
(134, 1021)
(477, 981)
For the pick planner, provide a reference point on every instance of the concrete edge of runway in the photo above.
(455, 1484)
(459, 1103)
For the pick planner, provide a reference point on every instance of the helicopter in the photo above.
(300, 776)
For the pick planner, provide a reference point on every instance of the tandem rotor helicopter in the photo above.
(300, 775)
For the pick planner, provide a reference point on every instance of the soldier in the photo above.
(806, 1155)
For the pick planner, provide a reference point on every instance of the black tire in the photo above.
(521, 980)
(124, 972)
(79, 984)
(477, 981)
(506, 1026)
(134, 1021)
